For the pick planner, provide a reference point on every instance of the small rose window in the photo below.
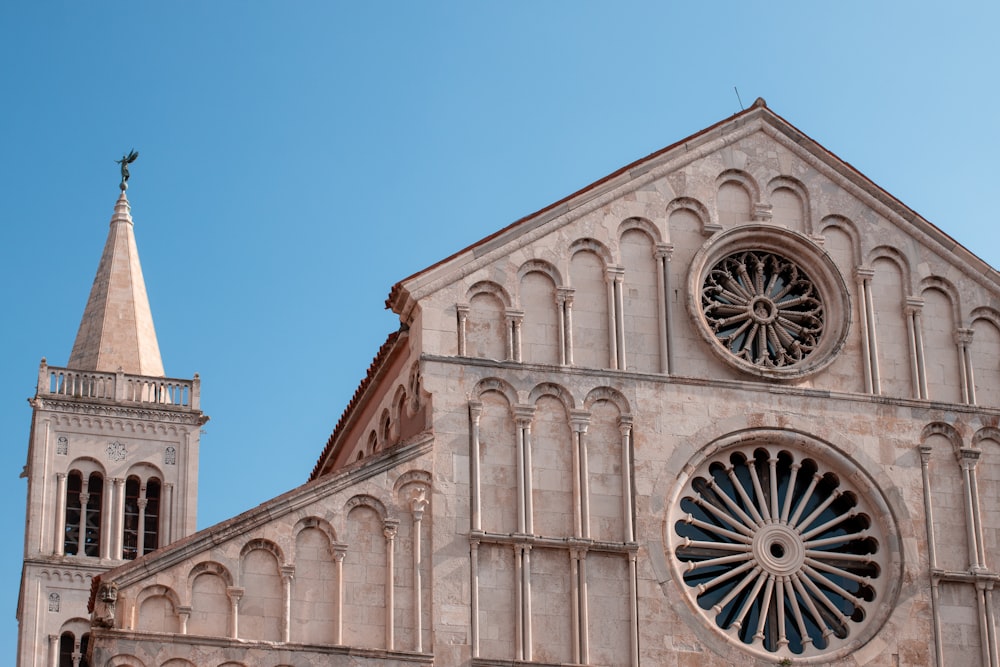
(763, 308)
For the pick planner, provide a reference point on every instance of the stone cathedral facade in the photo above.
(732, 404)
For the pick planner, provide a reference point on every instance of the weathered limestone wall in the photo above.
(330, 563)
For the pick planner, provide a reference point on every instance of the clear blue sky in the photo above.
(298, 158)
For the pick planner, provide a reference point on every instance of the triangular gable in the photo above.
(758, 117)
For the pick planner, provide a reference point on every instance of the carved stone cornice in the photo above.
(176, 416)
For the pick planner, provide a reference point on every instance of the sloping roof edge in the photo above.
(382, 359)
(283, 504)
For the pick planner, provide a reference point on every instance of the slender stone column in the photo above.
(620, 317)
(84, 501)
(568, 303)
(561, 324)
(862, 274)
(662, 254)
(107, 520)
(968, 458)
(417, 505)
(529, 485)
(60, 536)
(609, 279)
(522, 474)
(579, 423)
(518, 604)
(574, 609)
(977, 515)
(235, 594)
(140, 538)
(925, 458)
(287, 577)
(522, 418)
(625, 429)
(53, 660)
(475, 412)
(564, 299)
(869, 315)
(984, 643)
(633, 596)
(963, 339)
(577, 490)
(584, 611)
(462, 311)
(526, 598)
(118, 519)
(389, 530)
(339, 551)
(474, 595)
(991, 624)
(919, 343)
(912, 308)
(514, 320)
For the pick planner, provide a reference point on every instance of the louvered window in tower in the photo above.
(130, 538)
(151, 521)
(71, 541)
(92, 511)
(84, 499)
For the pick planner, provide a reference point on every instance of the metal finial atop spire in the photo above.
(125, 162)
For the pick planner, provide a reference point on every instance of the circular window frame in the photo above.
(798, 250)
(852, 478)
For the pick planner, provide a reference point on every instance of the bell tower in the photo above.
(112, 456)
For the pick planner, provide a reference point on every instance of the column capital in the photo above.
(963, 336)
(616, 274)
(523, 414)
(339, 552)
(462, 309)
(925, 454)
(475, 408)
(418, 503)
(565, 293)
(60, 476)
(579, 420)
(863, 272)
(389, 527)
(664, 251)
(913, 304)
(968, 457)
(287, 572)
(516, 316)
(762, 212)
(235, 593)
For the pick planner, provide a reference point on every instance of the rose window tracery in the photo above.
(763, 308)
(778, 551)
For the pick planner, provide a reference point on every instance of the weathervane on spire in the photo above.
(125, 162)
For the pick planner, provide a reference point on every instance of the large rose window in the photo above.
(779, 552)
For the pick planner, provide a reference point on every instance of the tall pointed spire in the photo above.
(117, 328)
